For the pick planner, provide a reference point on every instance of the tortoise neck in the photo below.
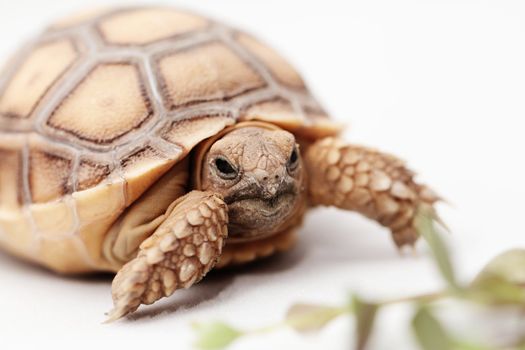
(202, 149)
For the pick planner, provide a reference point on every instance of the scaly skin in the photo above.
(180, 252)
(374, 184)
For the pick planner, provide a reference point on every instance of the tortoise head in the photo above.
(258, 170)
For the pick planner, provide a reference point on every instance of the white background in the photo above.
(440, 83)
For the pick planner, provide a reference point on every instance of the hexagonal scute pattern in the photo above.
(108, 104)
(210, 72)
(100, 106)
(39, 71)
(145, 26)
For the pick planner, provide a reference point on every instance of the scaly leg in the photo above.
(178, 254)
(374, 184)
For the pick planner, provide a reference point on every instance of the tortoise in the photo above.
(157, 144)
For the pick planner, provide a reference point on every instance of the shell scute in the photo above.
(11, 174)
(109, 103)
(36, 76)
(276, 110)
(91, 173)
(100, 202)
(17, 233)
(55, 219)
(49, 172)
(208, 72)
(56, 255)
(145, 26)
(141, 169)
(187, 133)
(281, 69)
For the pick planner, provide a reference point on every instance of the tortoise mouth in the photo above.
(270, 207)
(256, 193)
(253, 218)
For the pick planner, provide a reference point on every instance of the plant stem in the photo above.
(340, 311)
(423, 298)
(293, 322)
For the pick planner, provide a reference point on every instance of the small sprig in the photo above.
(303, 318)
(500, 283)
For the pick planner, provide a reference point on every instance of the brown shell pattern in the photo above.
(104, 102)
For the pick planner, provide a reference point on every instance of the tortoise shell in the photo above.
(102, 104)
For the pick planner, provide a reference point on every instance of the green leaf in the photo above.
(365, 314)
(460, 345)
(429, 332)
(311, 317)
(425, 222)
(509, 266)
(521, 345)
(494, 290)
(502, 281)
(215, 335)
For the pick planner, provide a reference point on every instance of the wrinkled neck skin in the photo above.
(258, 170)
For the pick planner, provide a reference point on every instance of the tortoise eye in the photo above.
(225, 169)
(293, 162)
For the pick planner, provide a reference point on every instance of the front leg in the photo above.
(374, 184)
(178, 254)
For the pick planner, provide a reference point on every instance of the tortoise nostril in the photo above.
(276, 177)
(265, 178)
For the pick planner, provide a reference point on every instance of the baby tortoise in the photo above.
(159, 144)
